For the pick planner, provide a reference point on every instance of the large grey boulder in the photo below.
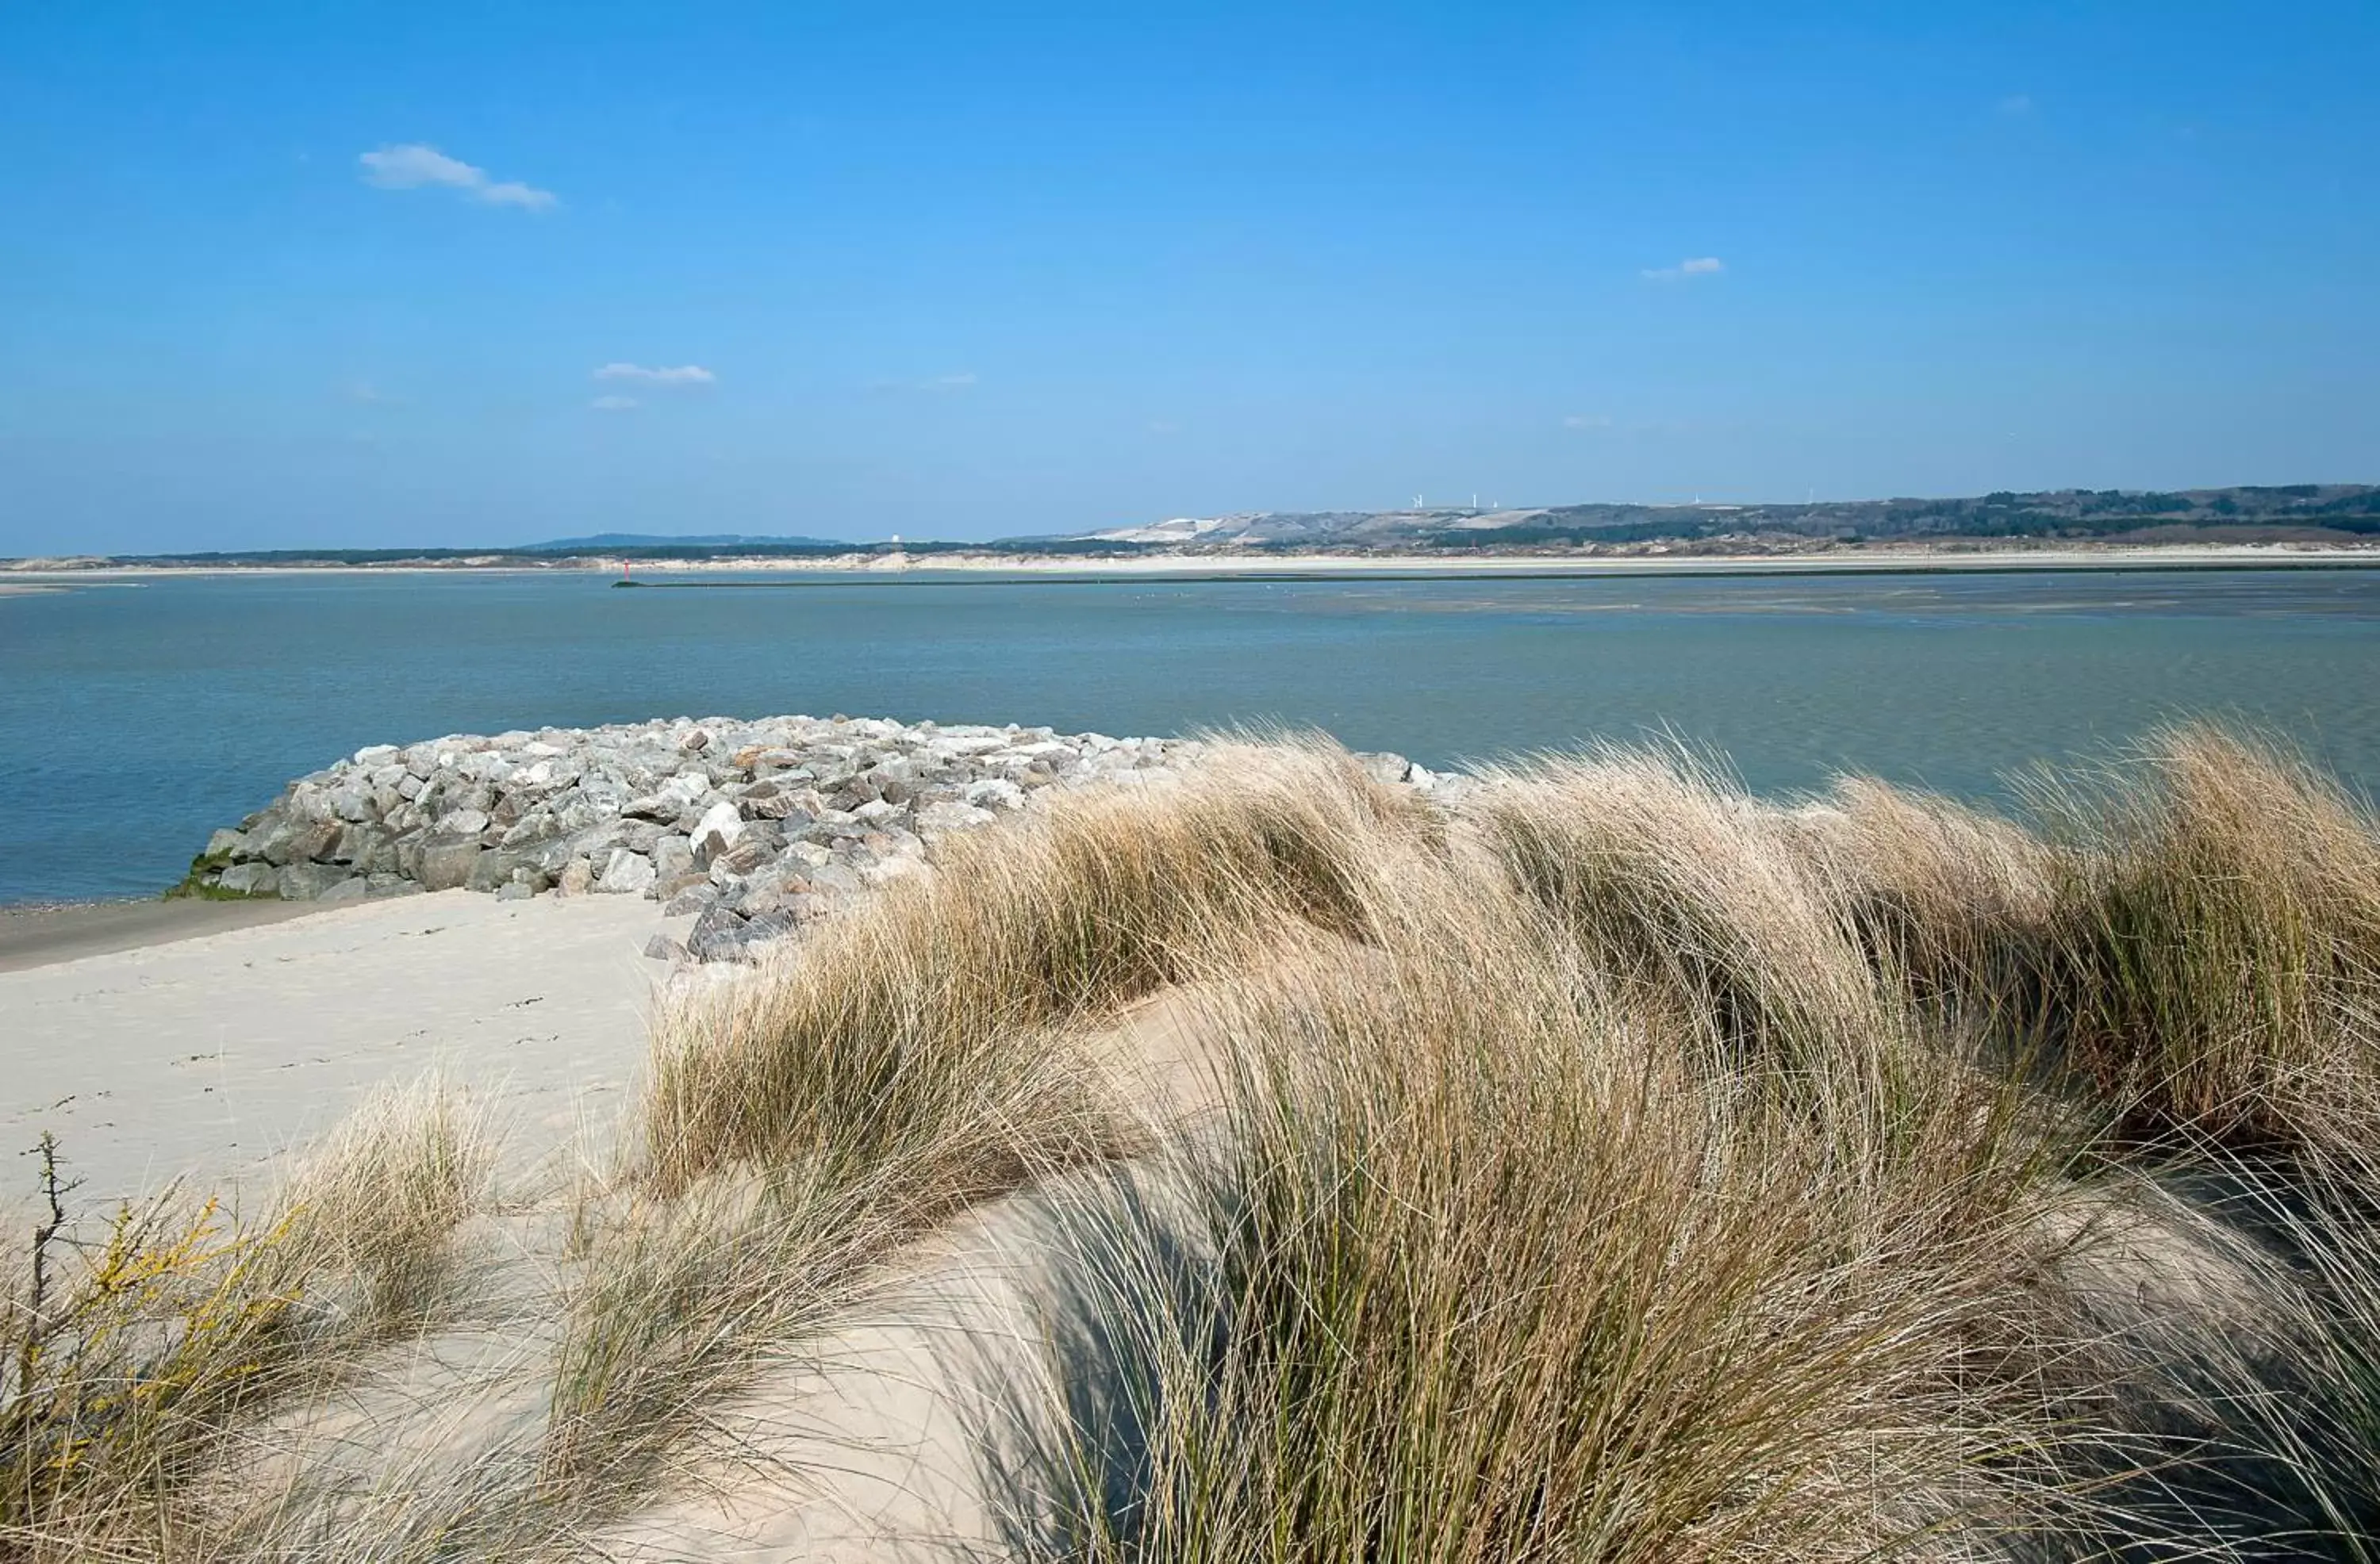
(498, 867)
(673, 856)
(251, 880)
(627, 874)
(891, 782)
(717, 832)
(288, 841)
(994, 793)
(445, 862)
(359, 844)
(952, 817)
(682, 900)
(778, 801)
(596, 841)
(717, 935)
(670, 800)
(307, 882)
(763, 928)
(537, 825)
(837, 876)
(464, 821)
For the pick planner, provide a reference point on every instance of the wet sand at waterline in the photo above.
(40, 936)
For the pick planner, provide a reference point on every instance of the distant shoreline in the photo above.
(1367, 567)
(23, 581)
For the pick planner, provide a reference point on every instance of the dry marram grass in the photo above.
(1608, 1165)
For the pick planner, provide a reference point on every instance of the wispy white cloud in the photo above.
(1697, 266)
(411, 165)
(364, 390)
(512, 192)
(615, 404)
(1587, 421)
(2016, 105)
(682, 374)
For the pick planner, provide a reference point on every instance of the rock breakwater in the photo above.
(756, 826)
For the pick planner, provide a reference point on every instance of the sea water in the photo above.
(137, 715)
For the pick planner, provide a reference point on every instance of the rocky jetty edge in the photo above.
(756, 827)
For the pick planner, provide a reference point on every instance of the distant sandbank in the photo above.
(2209, 554)
(897, 564)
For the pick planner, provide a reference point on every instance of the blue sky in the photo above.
(285, 274)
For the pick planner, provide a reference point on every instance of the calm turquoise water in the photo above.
(136, 718)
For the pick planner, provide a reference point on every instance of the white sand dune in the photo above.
(210, 1057)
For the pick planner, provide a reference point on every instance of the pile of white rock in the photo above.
(757, 826)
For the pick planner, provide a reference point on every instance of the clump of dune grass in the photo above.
(1481, 1265)
(1706, 917)
(1688, 891)
(675, 1304)
(1960, 902)
(923, 1006)
(380, 1197)
(1672, 1178)
(2219, 941)
(911, 1062)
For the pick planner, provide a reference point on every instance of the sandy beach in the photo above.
(207, 1051)
(215, 1039)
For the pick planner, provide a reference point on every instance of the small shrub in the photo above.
(127, 1359)
(124, 1355)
